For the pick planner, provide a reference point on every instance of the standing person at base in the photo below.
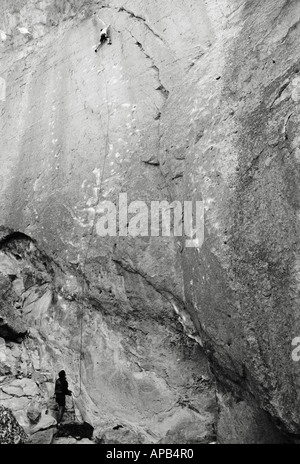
(61, 390)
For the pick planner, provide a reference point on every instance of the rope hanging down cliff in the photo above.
(92, 231)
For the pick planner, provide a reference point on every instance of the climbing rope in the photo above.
(77, 419)
(93, 229)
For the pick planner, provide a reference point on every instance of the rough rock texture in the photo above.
(247, 166)
(43, 437)
(11, 433)
(192, 101)
(86, 129)
(72, 441)
(146, 374)
(120, 435)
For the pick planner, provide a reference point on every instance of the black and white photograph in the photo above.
(149, 226)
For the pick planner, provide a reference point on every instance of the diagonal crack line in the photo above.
(280, 92)
(161, 87)
(291, 29)
(140, 18)
(286, 124)
(133, 15)
(122, 9)
(164, 293)
(282, 10)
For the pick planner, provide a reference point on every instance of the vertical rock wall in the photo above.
(241, 287)
(192, 101)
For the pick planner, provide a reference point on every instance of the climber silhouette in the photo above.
(61, 390)
(104, 34)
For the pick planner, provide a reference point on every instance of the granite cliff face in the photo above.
(191, 102)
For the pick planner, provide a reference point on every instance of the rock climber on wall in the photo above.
(104, 35)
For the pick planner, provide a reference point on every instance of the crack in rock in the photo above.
(131, 14)
(161, 87)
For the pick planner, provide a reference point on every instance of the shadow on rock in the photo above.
(75, 430)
